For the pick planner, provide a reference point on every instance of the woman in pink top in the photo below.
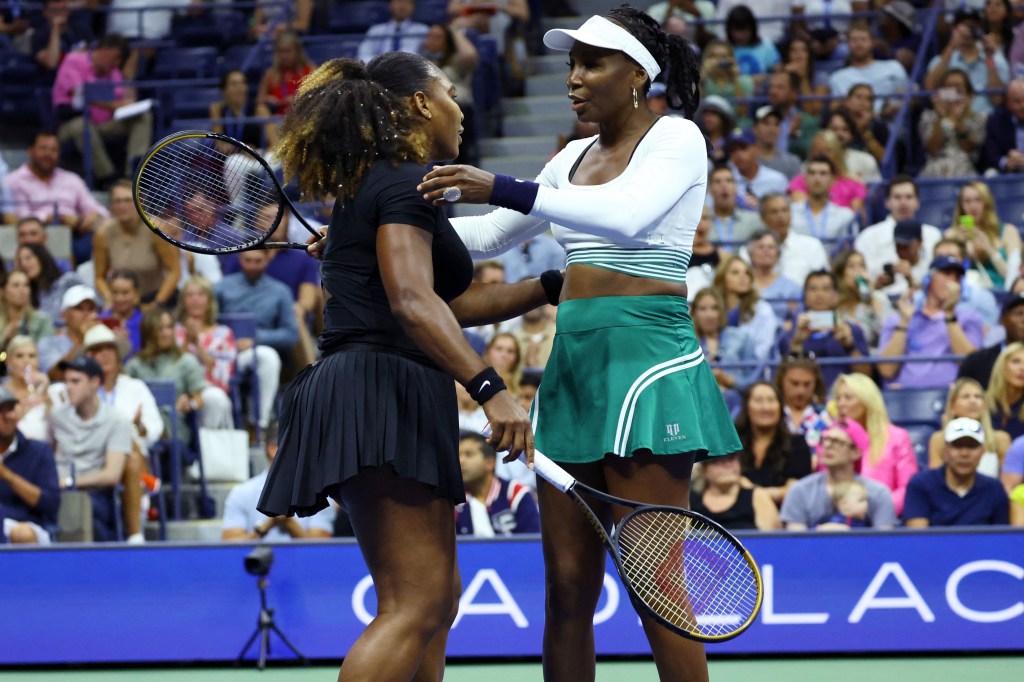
(845, 191)
(890, 459)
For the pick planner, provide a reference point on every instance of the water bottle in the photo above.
(863, 289)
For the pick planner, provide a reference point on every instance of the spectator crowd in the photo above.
(871, 346)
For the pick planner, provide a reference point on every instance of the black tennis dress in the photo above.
(373, 398)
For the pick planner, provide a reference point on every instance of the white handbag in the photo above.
(225, 455)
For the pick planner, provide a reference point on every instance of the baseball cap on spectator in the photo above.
(720, 105)
(76, 295)
(1011, 303)
(856, 432)
(6, 396)
(906, 231)
(902, 11)
(964, 427)
(942, 263)
(742, 138)
(84, 364)
(764, 112)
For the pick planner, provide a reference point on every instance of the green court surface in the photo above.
(757, 670)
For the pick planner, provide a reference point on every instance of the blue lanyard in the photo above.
(236, 129)
(820, 234)
(826, 9)
(725, 230)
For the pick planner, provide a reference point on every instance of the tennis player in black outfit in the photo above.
(373, 423)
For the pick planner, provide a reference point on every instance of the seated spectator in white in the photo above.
(860, 165)
(890, 459)
(147, 23)
(966, 399)
(1005, 392)
(976, 295)
(721, 77)
(797, 127)
(730, 223)
(532, 257)
(716, 119)
(123, 242)
(123, 313)
(755, 55)
(17, 316)
(724, 499)
(858, 302)
(817, 215)
(243, 522)
(821, 333)
(992, 245)
(31, 230)
(734, 282)
(102, 64)
(954, 494)
(288, 69)
(799, 254)
(471, 414)
(78, 310)
(250, 291)
(494, 506)
(723, 344)
(29, 492)
(871, 135)
(536, 334)
(809, 504)
(40, 188)
(952, 133)
(30, 386)
(803, 391)
(887, 76)
(706, 254)
(162, 358)
(984, 64)
(199, 333)
(978, 365)
(782, 293)
(398, 34)
(132, 399)
(94, 438)
(46, 282)
(772, 457)
(845, 191)
(754, 180)
(878, 245)
(940, 324)
(766, 130)
(1004, 132)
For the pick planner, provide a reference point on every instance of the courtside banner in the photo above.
(838, 593)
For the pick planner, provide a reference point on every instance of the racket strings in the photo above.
(688, 573)
(196, 195)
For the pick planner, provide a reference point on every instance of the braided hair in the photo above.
(347, 115)
(674, 55)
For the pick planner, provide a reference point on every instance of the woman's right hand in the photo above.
(510, 427)
(317, 245)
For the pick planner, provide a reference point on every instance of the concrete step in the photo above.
(546, 84)
(531, 126)
(550, 64)
(540, 145)
(207, 530)
(547, 105)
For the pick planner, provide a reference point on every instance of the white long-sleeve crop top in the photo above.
(641, 223)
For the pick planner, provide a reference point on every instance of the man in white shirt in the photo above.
(886, 76)
(877, 243)
(731, 223)
(400, 34)
(800, 254)
(753, 178)
(817, 215)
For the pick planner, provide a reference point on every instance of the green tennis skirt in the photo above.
(625, 374)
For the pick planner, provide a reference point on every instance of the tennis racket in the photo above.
(210, 193)
(688, 572)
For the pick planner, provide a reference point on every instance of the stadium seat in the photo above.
(193, 102)
(243, 326)
(321, 51)
(178, 452)
(938, 201)
(185, 62)
(919, 436)
(1009, 198)
(236, 56)
(915, 406)
(431, 12)
(356, 17)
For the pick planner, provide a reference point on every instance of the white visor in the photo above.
(600, 32)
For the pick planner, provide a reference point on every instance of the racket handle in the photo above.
(549, 471)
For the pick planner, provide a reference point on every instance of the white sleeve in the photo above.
(151, 417)
(677, 161)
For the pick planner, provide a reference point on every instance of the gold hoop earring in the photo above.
(636, 102)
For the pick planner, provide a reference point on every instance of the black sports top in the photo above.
(740, 516)
(357, 308)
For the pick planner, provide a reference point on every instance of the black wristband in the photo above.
(484, 385)
(551, 281)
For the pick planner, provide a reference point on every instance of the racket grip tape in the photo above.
(542, 466)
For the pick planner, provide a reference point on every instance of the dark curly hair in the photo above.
(674, 55)
(347, 115)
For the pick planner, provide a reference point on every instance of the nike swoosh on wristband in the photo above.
(483, 386)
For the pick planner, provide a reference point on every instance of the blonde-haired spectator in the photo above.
(734, 282)
(1005, 394)
(29, 386)
(967, 399)
(288, 69)
(506, 357)
(993, 246)
(198, 333)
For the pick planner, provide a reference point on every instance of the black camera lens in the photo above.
(259, 561)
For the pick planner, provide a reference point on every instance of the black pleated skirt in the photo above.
(357, 409)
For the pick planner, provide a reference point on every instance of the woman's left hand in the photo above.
(475, 185)
(184, 405)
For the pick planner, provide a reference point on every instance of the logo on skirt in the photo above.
(673, 433)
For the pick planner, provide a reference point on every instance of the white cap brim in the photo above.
(600, 32)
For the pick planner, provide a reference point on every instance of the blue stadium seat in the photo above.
(185, 62)
(487, 81)
(431, 12)
(915, 406)
(938, 201)
(234, 59)
(321, 51)
(920, 434)
(1009, 196)
(243, 326)
(193, 102)
(356, 17)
